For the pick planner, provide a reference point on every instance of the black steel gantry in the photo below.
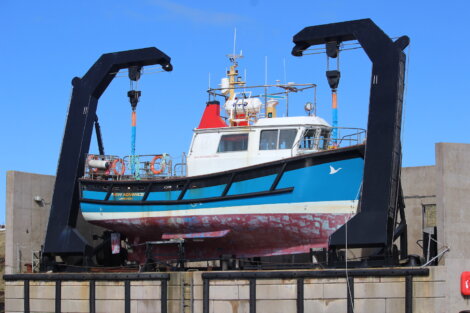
(62, 237)
(375, 225)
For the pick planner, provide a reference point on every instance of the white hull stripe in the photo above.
(323, 207)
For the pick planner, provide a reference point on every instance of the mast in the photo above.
(233, 79)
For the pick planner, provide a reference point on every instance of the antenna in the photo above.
(234, 40)
(266, 70)
(265, 84)
(285, 75)
(233, 57)
(209, 80)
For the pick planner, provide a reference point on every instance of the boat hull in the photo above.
(283, 207)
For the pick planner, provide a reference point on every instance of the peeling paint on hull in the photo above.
(249, 236)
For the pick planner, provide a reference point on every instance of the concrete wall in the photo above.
(419, 188)
(378, 295)
(447, 184)
(26, 219)
(453, 215)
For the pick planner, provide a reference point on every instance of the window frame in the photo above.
(277, 138)
(233, 135)
(321, 138)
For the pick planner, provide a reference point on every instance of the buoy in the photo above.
(114, 167)
(152, 165)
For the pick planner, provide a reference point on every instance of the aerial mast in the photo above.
(234, 80)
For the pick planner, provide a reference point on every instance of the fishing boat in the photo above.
(253, 183)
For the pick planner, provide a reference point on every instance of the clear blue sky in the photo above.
(44, 44)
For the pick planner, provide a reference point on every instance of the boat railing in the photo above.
(319, 140)
(180, 167)
(348, 137)
(134, 167)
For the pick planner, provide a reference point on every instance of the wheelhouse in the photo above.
(269, 139)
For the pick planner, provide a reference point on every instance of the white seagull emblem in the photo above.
(333, 170)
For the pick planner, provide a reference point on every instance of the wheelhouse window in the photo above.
(286, 138)
(232, 143)
(274, 139)
(268, 140)
(308, 140)
(315, 139)
(324, 139)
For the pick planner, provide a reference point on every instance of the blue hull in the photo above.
(297, 202)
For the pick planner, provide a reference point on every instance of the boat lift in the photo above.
(381, 201)
(62, 237)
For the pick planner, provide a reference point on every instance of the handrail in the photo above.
(358, 133)
(143, 167)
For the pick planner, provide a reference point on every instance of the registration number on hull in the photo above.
(127, 195)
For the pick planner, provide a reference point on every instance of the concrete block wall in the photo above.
(419, 188)
(26, 219)
(373, 294)
(453, 215)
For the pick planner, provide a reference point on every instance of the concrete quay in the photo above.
(372, 294)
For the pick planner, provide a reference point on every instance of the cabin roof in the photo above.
(291, 120)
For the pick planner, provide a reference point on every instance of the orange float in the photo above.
(114, 167)
(152, 165)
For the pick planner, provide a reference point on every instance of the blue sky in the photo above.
(46, 43)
